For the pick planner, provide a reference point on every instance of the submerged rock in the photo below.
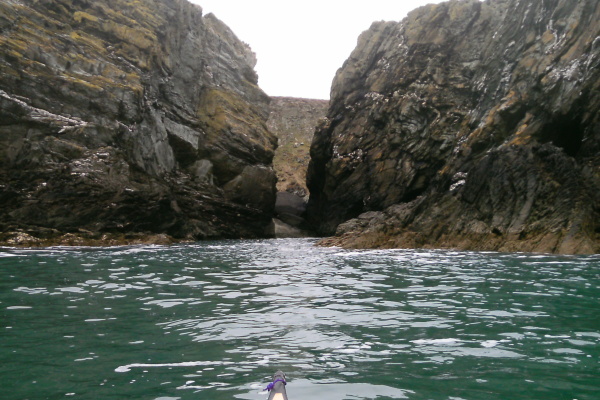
(470, 125)
(130, 120)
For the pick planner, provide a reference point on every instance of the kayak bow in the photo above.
(277, 387)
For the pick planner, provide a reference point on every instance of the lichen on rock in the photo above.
(127, 120)
(470, 125)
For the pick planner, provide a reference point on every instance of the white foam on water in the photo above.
(348, 351)
(72, 289)
(437, 342)
(7, 254)
(37, 290)
(490, 343)
(127, 368)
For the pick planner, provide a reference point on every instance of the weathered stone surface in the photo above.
(289, 203)
(470, 125)
(293, 121)
(122, 120)
(290, 209)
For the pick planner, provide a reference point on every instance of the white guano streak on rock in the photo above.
(37, 114)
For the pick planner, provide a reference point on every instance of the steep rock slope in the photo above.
(293, 121)
(124, 119)
(471, 125)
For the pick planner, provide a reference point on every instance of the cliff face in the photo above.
(122, 119)
(293, 121)
(471, 125)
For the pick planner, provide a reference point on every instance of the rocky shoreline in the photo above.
(469, 125)
(83, 239)
(125, 123)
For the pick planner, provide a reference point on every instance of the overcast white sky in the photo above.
(300, 44)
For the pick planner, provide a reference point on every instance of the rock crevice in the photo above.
(130, 120)
(469, 124)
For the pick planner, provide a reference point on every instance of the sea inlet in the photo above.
(215, 320)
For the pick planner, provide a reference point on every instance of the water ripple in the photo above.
(215, 319)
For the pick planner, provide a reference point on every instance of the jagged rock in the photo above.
(21, 239)
(470, 125)
(293, 121)
(130, 120)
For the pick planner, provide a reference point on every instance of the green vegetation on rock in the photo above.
(129, 119)
(293, 121)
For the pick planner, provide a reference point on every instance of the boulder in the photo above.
(290, 209)
(289, 203)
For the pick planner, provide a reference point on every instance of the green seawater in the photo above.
(215, 320)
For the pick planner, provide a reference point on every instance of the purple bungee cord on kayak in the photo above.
(271, 385)
(277, 387)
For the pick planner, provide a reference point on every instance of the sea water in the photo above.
(214, 320)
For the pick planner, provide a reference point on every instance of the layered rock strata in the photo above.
(469, 125)
(129, 121)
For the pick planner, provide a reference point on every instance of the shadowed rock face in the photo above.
(471, 125)
(123, 120)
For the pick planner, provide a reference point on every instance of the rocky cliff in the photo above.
(293, 121)
(120, 120)
(469, 125)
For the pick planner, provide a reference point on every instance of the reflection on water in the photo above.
(214, 320)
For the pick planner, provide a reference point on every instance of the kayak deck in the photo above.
(277, 387)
